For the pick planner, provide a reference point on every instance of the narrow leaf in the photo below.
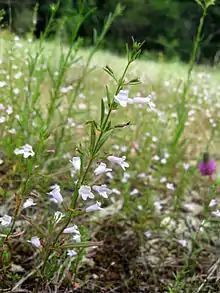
(81, 245)
(92, 137)
(103, 140)
(108, 96)
(102, 112)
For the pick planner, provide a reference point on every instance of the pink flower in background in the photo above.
(207, 167)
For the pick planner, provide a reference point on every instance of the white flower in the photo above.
(120, 161)
(183, 242)
(163, 179)
(163, 161)
(71, 230)
(147, 234)
(16, 91)
(12, 131)
(1, 161)
(139, 100)
(94, 207)
(85, 192)
(2, 84)
(140, 208)
(102, 190)
(212, 203)
(55, 193)
(28, 203)
(76, 163)
(186, 166)
(116, 191)
(125, 178)
(26, 150)
(76, 238)
(122, 98)
(65, 90)
(9, 110)
(35, 241)
(18, 75)
(216, 213)
(170, 186)
(156, 158)
(101, 169)
(71, 252)
(134, 191)
(158, 205)
(58, 216)
(5, 220)
(2, 119)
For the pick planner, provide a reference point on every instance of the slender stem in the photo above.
(81, 180)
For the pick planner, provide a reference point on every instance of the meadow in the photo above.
(108, 170)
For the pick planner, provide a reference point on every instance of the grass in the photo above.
(160, 233)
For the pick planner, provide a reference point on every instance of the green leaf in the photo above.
(122, 125)
(102, 112)
(94, 35)
(134, 81)
(200, 3)
(108, 127)
(81, 245)
(110, 72)
(92, 137)
(103, 139)
(108, 96)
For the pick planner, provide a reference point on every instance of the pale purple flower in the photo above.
(58, 216)
(2, 84)
(183, 242)
(35, 241)
(163, 179)
(116, 191)
(120, 161)
(76, 238)
(139, 100)
(216, 213)
(85, 192)
(9, 110)
(26, 150)
(122, 98)
(170, 186)
(76, 163)
(71, 253)
(71, 230)
(94, 207)
(186, 166)
(12, 131)
(2, 119)
(134, 191)
(5, 220)
(212, 203)
(157, 205)
(147, 233)
(28, 203)
(103, 190)
(55, 193)
(101, 169)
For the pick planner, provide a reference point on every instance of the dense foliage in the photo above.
(167, 26)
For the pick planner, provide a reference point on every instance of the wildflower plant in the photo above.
(61, 237)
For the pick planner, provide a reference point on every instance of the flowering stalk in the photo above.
(181, 110)
(105, 131)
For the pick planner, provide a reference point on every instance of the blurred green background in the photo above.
(168, 27)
